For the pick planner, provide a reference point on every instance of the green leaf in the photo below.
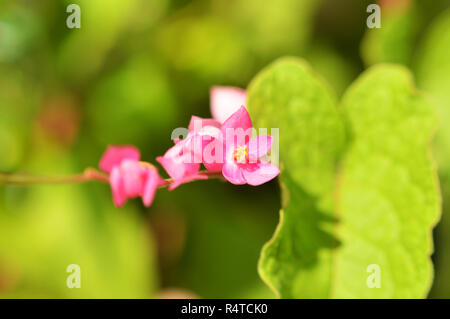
(433, 69)
(287, 95)
(388, 190)
(386, 198)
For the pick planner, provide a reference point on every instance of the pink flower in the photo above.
(116, 154)
(128, 177)
(225, 100)
(205, 140)
(179, 164)
(182, 161)
(242, 163)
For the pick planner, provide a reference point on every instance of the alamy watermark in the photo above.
(374, 279)
(74, 279)
(374, 19)
(73, 21)
(214, 146)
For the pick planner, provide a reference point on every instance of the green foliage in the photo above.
(311, 132)
(432, 67)
(394, 41)
(137, 94)
(54, 226)
(104, 22)
(333, 66)
(223, 242)
(137, 69)
(388, 195)
(287, 95)
(207, 47)
(271, 28)
(385, 199)
(18, 30)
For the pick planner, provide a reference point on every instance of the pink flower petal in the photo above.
(197, 123)
(259, 146)
(260, 173)
(213, 166)
(233, 173)
(212, 148)
(238, 120)
(197, 142)
(115, 180)
(224, 101)
(213, 156)
(173, 168)
(208, 133)
(179, 162)
(152, 182)
(189, 149)
(116, 154)
(132, 180)
(237, 129)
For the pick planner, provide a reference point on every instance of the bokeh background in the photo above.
(133, 72)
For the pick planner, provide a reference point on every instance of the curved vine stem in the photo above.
(89, 174)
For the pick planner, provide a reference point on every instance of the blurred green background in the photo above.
(133, 72)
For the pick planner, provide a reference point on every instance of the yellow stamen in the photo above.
(240, 154)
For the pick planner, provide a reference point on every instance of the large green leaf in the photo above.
(388, 195)
(385, 200)
(433, 69)
(287, 95)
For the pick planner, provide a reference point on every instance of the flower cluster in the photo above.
(224, 145)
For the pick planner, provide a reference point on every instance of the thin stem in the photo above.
(89, 174)
(202, 174)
